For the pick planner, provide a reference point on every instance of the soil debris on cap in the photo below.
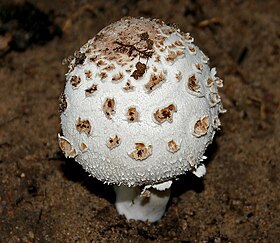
(140, 70)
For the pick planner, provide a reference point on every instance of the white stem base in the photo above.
(133, 205)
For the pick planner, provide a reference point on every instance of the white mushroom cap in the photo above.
(140, 104)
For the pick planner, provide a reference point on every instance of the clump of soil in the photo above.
(23, 25)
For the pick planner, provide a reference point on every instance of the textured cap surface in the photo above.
(140, 104)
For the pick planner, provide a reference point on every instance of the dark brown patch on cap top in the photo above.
(140, 70)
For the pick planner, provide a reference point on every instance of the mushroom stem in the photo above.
(136, 205)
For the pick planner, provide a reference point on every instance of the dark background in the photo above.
(46, 198)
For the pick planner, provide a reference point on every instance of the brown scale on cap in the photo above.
(179, 75)
(75, 81)
(128, 86)
(103, 75)
(192, 84)
(171, 46)
(173, 146)
(62, 103)
(191, 50)
(92, 89)
(88, 74)
(117, 77)
(93, 58)
(157, 58)
(219, 82)
(66, 147)
(188, 37)
(165, 114)
(198, 67)
(141, 151)
(201, 126)
(173, 55)
(159, 43)
(109, 67)
(155, 79)
(132, 114)
(83, 126)
(179, 43)
(109, 107)
(209, 82)
(214, 99)
(83, 147)
(140, 70)
(175, 44)
(100, 63)
(113, 142)
(180, 53)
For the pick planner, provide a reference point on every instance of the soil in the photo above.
(47, 198)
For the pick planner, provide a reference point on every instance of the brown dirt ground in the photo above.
(46, 198)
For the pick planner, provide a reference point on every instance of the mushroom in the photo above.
(140, 140)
